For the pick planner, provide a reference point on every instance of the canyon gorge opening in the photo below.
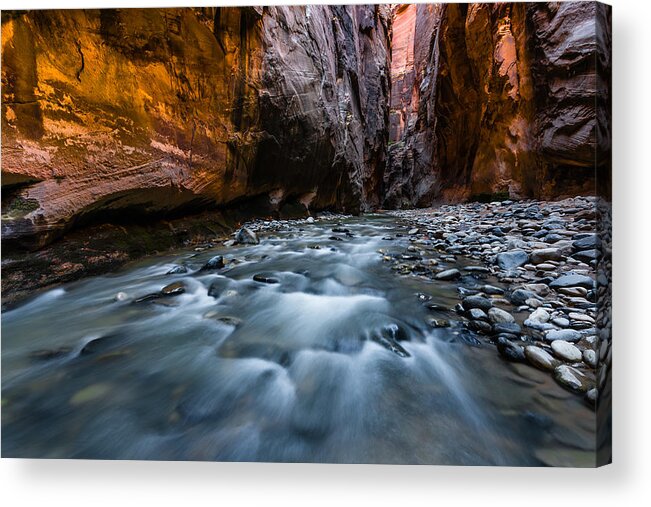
(358, 234)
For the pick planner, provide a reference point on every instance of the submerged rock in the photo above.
(173, 289)
(262, 278)
(177, 270)
(571, 378)
(499, 316)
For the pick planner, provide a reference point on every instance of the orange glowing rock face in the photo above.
(402, 69)
(477, 94)
(160, 110)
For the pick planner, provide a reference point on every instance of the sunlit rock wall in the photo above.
(144, 113)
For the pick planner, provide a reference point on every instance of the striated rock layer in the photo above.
(139, 113)
(502, 99)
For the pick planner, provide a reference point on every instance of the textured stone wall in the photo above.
(145, 113)
(506, 102)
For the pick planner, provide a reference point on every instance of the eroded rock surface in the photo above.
(107, 113)
(506, 98)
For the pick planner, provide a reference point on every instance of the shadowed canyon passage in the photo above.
(162, 112)
(128, 133)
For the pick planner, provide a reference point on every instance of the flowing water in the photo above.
(334, 363)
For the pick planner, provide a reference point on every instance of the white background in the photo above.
(626, 482)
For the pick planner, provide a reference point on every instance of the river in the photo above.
(335, 362)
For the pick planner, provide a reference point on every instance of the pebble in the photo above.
(512, 259)
(507, 328)
(590, 357)
(480, 302)
(546, 254)
(571, 378)
(520, 296)
(265, 279)
(539, 315)
(572, 280)
(510, 350)
(439, 323)
(568, 335)
(540, 358)
(448, 274)
(121, 296)
(560, 321)
(499, 316)
(592, 395)
(477, 314)
(567, 351)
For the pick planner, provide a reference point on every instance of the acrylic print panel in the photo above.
(343, 234)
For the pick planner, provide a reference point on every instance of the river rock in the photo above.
(480, 326)
(510, 350)
(520, 296)
(571, 378)
(262, 278)
(572, 280)
(246, 236)
(566, 351)
(439, 322)
(507, 328)
(173, 289)
(592, 395)
(561, 322)
(569, 335)
(121, 296)
(499, 316)
(217, 262)
(512, 259)
(448, 274)
(477, 301)
(540, 358)
(477, 314)
(546, 254)
(586, 256)
(177, 270)
(590, 357)
(588, 242)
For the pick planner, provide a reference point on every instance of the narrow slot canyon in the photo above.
(323, 233)
(284, 111)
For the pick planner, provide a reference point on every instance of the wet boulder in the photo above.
(217, 262)
(246, 236)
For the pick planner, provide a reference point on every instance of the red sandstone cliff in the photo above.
(503, 100)
(149, 112)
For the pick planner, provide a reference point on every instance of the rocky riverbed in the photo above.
(463, 334)
(550, 310)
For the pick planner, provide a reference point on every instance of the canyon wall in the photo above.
(502, 100)
(141, 114)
